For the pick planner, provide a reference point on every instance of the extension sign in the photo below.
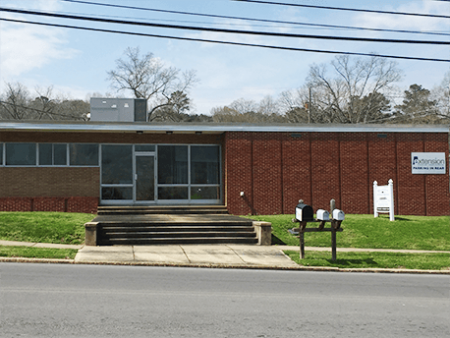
(428, 163)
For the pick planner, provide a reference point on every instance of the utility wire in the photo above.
(254, 19)
(226, 42)
(219, 30)
(345, 9)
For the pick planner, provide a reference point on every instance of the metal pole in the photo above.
(302, 244)
(333, 243)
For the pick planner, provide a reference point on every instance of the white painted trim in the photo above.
(215, 128)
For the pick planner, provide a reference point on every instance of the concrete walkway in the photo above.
(193, 255)
(235, 255)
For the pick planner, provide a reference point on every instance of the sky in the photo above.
(75, 62)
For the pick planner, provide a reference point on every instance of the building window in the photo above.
(204, 165)
(146, 148)
(52, 154)
(172, 164)
(1, 153)
(205, 193)
(172, 193)
(117, 164)
(117, 193)
(21, 154)
(83, 154)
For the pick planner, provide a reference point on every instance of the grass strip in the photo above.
(382, 260)
(365, 231)
(43, 227)
(30, 252)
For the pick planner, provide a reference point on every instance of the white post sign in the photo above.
(428, 163)
(383, 199)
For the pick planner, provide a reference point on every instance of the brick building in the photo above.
(252, 169)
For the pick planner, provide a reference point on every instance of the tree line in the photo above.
(347, 90)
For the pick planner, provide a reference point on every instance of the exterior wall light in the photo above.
(242, 194)
(169, 132)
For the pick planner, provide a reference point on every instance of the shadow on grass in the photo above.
(277, 241)
(398, 218)
(353, 262)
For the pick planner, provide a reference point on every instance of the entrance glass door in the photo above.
(145, 177)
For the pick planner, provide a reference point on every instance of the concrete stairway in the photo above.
(172, 225)
(173, 209)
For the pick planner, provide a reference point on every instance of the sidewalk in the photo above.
(231, 255)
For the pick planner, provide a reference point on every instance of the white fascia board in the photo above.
(216, 128)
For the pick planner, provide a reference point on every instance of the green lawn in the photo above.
(27, 252)
(43, 227)
(365, 231)
(383, 260)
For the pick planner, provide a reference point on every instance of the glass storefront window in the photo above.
(166, 173)
(205, 165)
(117, 193)
(144, 148)
(173, 165)
(172, 193)
(20, 153)
(83, 154)
(117, 164)
(1, 153)
(205, 193)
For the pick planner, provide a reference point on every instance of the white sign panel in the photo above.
(428, 163)
(383, 199)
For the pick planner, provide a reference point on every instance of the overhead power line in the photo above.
(220, 30)
(254, 19)
(345, 9)
(227, 42)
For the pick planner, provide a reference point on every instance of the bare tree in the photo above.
(354, 93)
(294, 104)
(16, 104)
(147, 77)
(267, 110)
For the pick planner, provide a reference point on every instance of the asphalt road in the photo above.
(39, 300)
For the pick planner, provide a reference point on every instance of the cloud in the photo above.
(24, 48)
(407, 22)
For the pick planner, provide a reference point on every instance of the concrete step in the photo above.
(179, 241)
(168, 229)
(139, 235)
(200, 224)
(178, 209)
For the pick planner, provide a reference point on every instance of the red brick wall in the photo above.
(49, 181)
(275, 170)
(60, 204)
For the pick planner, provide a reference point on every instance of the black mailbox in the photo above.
(304, 212)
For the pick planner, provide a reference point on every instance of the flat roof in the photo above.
(213, 128)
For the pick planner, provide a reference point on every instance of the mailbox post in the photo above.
(304, 214)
